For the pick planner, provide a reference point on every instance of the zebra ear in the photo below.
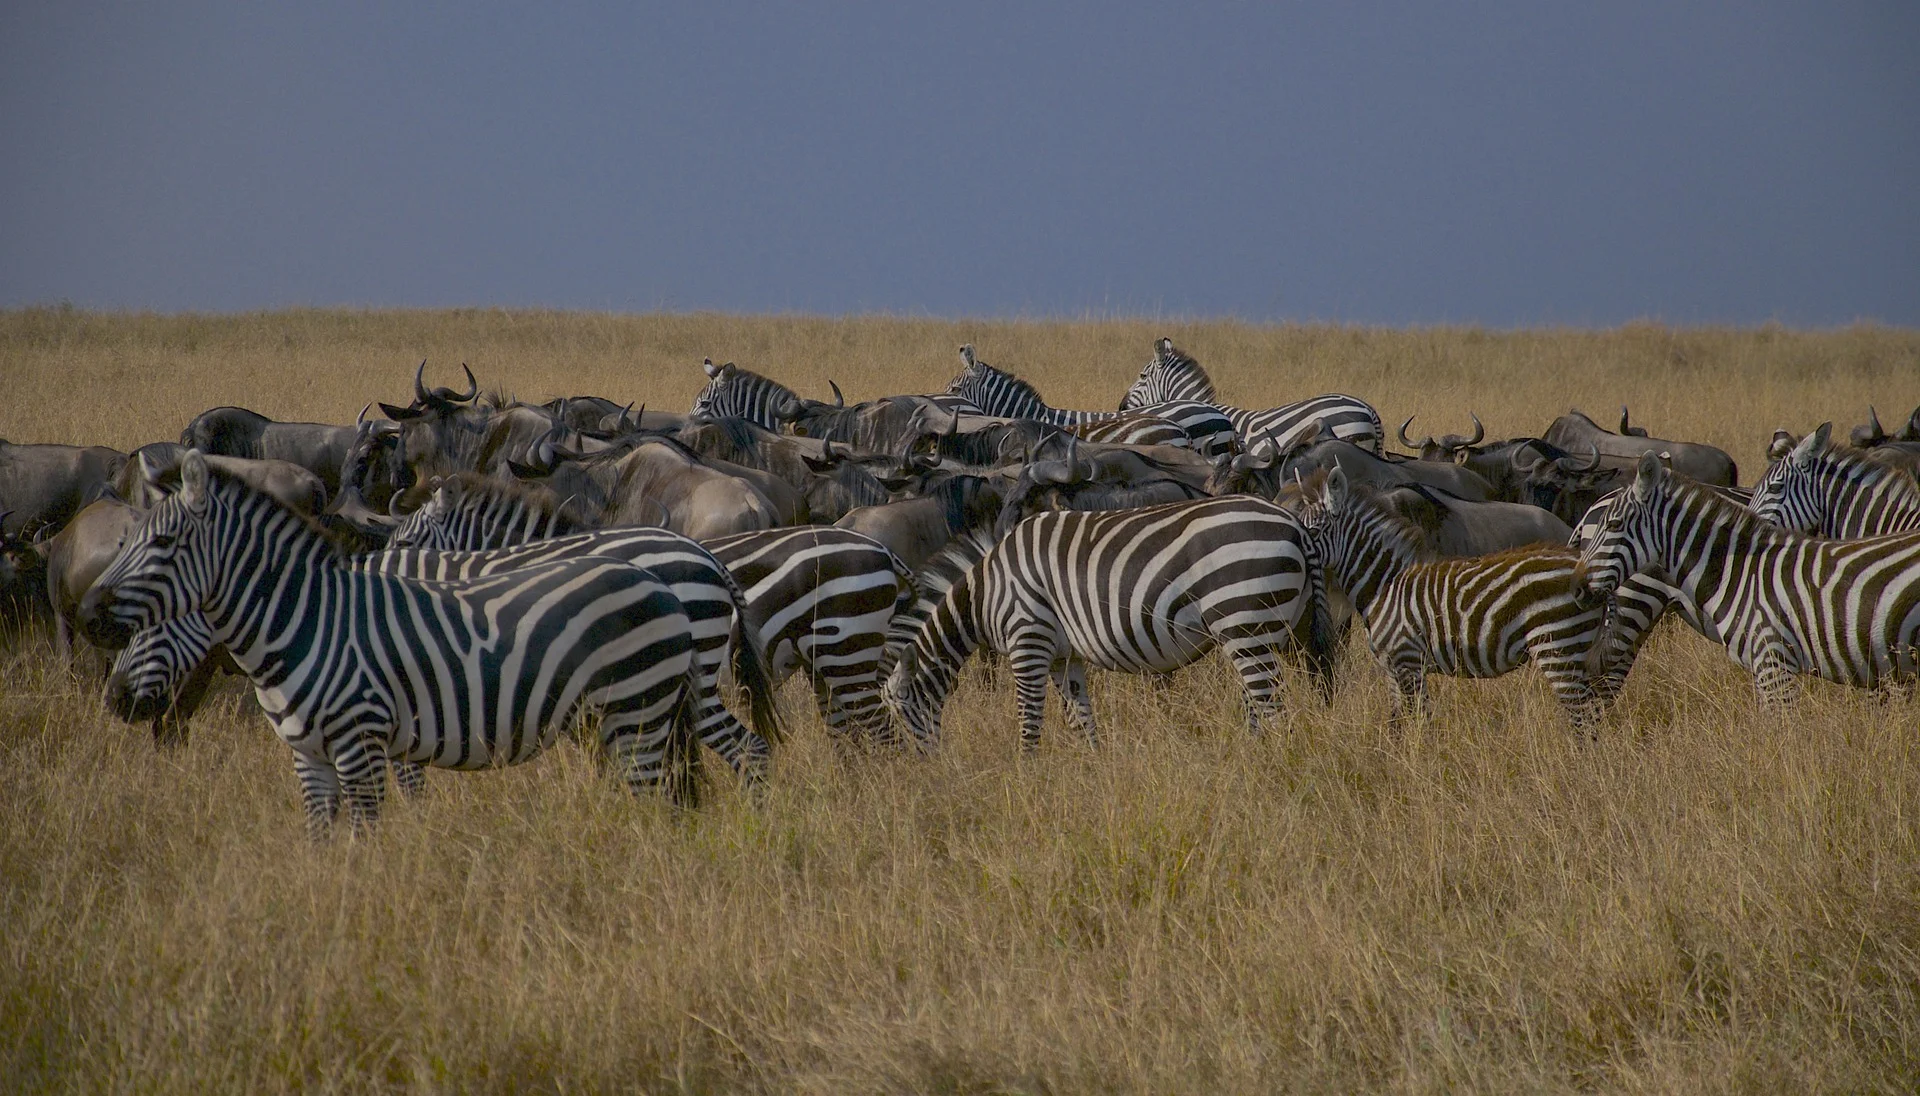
(712, 369)
(193, 480)
(1334, 494)
(1812, 445)
(1648, 475)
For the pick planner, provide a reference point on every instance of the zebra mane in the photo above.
(1719, 508)
(982, 373)
(339, 541)
(1182, 362)
(1403, 531)
(749, 377)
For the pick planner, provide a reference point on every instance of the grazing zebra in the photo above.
(1782, 603)
(1001, 394)
(1836, 493)
(1476, 616)
(1173, 375)
(813, 598)
(353, 665)
(821, 599)
(1143, 591)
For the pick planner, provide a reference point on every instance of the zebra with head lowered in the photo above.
(814, 599)
(999, 393)
(1477, 616)
(1781, 602)
(1836, 493)
(1173, 375)
(354, 666)
(1142, 591)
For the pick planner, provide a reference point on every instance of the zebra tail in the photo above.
(681, 759)
(750, 671)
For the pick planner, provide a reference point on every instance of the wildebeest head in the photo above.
(1450, 447)
(374, 465)
(1560, 482)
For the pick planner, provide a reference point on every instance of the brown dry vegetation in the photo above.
(1710, 900)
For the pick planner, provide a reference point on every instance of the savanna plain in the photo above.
(1708, 899)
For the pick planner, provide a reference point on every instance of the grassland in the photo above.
(1710, 900)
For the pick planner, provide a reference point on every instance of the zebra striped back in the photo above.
(1783, 603)
(1836, 493)
(352, 666)
(733, 392)
(999, 393)
(470, 511)
(1175, 375)
(1142, 591)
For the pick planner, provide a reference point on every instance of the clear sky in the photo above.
(1500, 163)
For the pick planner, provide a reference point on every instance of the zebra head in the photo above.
(1171, 375)
(1629, 541)
(1361, 543)
(733, 392)
(146, 675)
(1796, 491)
(166, 569)
(913, 696)
(995, 391)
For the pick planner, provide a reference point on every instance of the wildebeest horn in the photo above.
(1407, 441)
(362, 419)
(1521, 450)
(838, 399)
(1625, 427)
(473, 387)
(1911, 431)
(1456, 442)
(826, 450)
(420, 384)
(1591, 464)
(1872, 433)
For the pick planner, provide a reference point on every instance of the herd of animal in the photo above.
(462, 580)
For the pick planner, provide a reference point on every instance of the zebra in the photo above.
(1143, 591)
(1781, 602)
(471, 511)
(1474, 616)
(821, 600)
(1000, 394)
(1836, 493)
(1175, 376)
(353, 665)
(812, 598)
(736, 393)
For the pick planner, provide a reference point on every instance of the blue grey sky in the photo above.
(1498, 163)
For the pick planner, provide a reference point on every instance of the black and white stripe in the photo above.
(1001, 394)
(353, 666)
(1175, 376)
(813, 599)
(1478, 616)
(1781, 602)
(736, 393)
(1836, 493)
(821, 600)
(1142, 591)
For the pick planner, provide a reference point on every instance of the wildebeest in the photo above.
(1456, 527)
(1448, 447)
(914, 529)
(1093, 477)
(237, 432)
(827, 483)
(1575, 432)
(631, 482)
(1264, 470)
(43, 486)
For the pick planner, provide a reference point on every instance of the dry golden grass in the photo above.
(1710, 900)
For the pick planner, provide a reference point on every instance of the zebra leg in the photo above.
(1259, 669)
(1566, 672)
(409, 776)
(1031, 662)
(1070, 679)
(361, 761)
(1407, 668)
(743, 750)
(1773, 669)
(320, 790)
